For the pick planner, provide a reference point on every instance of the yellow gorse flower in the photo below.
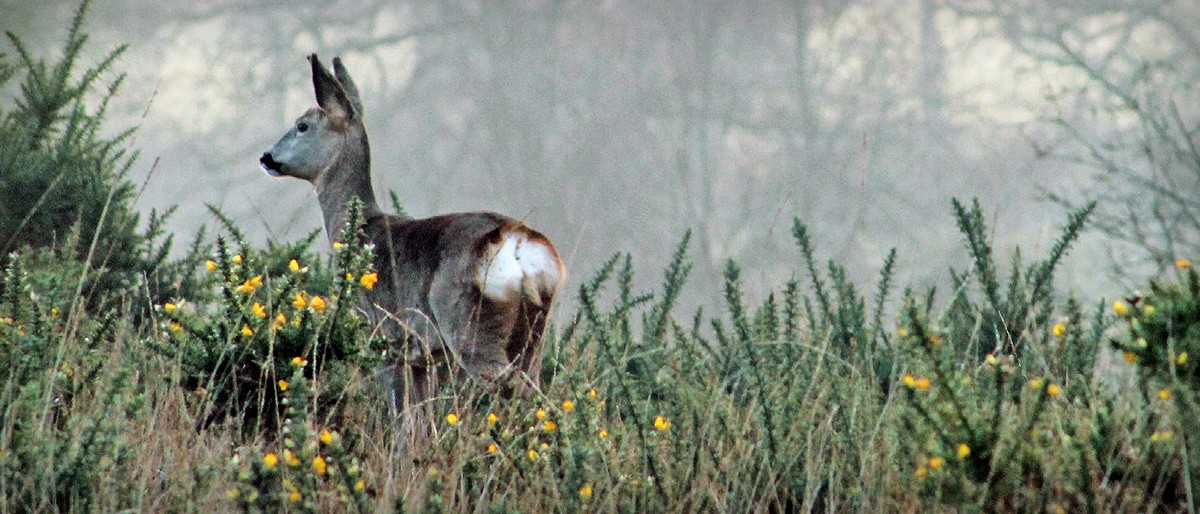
(319, 465)
(1164, 435)
(452, 418)
(963, 451)
(237, 259)
(246, 332)
(909, 381)
(603, 434)
(210, 265)
(549, 426)
(259, 310)
(1052, 390)
(1120, 308)
(337, 245)
(492, 418)
(283, 385)
(1036, 383)
(299, 302)
(368, 281)
(1164, 394)
(326, 436)
(492, 448)
(922, 383)
(293, 265)
(1183, 264)
(591, 393)
(662, 423)
(269, 460)
(533, 455)
(176, 327)
(585, 492)
(936, 462)
(541, 414)
(568, 406)
(257, 281)
(295, 496)
(170, 307)
(298, 360)
(246, 287)
(1059, 329)
(280, 319)
(317, 303)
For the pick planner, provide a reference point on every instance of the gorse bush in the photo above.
(65, 414)
(808, 400)
(75, 389)
(1164, 332)
(63, 184)
(265, 317)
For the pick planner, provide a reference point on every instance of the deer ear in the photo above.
(343, 76)
(330, 94)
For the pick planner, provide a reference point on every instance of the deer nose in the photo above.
(270, 164)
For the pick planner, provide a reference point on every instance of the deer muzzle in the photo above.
(273, 167)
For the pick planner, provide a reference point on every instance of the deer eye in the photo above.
(302, 127)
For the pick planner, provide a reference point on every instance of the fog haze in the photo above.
(615, 126)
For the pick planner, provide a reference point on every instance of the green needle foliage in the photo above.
(265, 316)
(64, 185)
(1164, 335)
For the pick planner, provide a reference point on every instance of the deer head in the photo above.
(316, 141)
(328, 146)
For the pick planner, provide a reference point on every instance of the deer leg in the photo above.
(406, 389)
(478, 335)
(525, 342)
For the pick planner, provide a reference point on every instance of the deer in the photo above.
(469, 290)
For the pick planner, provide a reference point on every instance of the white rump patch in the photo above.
(518, 267)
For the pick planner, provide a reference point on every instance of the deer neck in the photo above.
(347, 178)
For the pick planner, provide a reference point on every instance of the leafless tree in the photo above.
(1134, 120)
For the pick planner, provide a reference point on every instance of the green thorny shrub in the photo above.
(73, 388)
(68, 389)
(63, 184)
(268, 315)
(1164, 330)
(797, 396)
(802, 402)
(310, 465)
(983, 426)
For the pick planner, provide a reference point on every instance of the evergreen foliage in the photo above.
(63, 182)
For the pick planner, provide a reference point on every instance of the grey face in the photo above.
(310, 147)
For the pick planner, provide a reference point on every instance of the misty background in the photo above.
(615, 126)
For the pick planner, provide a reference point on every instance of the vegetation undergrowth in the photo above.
(242, 379)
